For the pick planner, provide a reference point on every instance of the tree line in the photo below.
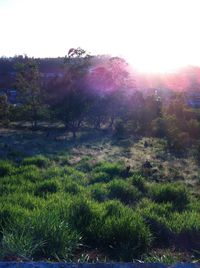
(99, 92)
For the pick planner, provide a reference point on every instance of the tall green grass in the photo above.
(50, 210)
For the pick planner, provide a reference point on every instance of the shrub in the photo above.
(170, 192)
(119, 189)
(46, 187)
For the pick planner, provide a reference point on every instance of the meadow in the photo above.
(93, 200)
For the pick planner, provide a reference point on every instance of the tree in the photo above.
(29, 91)
(4, 109)
(112, 83)
(71, 99)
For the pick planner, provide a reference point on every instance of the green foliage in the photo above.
(139, 182)
(119, 189)
(40, 161)
(47, 187)
(100, 177)
(4, 110)
(72, 188)
(19, 243)
(6, 168)
(171, 192)
(112, 169)
(99, 192)
(46, 211)
(81, 213)
(60, 240)
(29, 92)
(126, 236)
(85, 164)
(164, 258)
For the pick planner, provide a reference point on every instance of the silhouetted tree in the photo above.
(30, 95)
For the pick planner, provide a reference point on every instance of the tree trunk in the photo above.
(111, 122)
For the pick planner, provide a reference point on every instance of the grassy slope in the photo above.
(71, 203)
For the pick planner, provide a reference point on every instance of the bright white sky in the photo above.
(154, 35)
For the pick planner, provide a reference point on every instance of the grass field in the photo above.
(75, 200)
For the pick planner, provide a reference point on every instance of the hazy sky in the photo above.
(154, 35)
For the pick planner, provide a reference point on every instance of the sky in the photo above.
(152, 35)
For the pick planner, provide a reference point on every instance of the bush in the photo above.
(170, 192)
(46, 187)
(119, 189)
